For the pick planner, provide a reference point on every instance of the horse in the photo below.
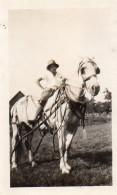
(63, 112)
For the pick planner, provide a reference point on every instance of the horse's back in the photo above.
(26, 107)
(17, 111)
(23, 109)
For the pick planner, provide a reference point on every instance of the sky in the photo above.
(65, 35)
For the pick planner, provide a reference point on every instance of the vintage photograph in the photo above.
(60, 97)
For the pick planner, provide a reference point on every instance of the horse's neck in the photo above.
(51, 101)
(75, 87)
(75, 80)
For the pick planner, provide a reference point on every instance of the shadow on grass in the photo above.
(96, 171)
(104, 157)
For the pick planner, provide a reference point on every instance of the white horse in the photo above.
(63, 111)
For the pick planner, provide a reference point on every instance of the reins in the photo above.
(63, 117)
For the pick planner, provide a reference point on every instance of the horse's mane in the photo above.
(87, 59)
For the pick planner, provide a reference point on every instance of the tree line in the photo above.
(101, 107)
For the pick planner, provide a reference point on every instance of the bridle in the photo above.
(88, 78)
(93, 75)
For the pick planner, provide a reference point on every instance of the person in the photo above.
(53, 80)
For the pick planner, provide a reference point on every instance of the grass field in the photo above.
(91, 161)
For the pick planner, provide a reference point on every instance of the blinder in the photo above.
(97, 70)
(82, 68)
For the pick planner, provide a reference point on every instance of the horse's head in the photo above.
(89, 70)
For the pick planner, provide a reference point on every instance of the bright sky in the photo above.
(36, 36)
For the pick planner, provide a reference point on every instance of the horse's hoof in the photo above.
(34, 164)
(14, 167)
(65, 171)
(68, 167)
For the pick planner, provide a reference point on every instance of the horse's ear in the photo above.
(80, 69)
(80, 66)
(97, 70)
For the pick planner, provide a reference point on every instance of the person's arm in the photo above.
(39, 82)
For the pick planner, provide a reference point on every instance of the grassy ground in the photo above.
(91, 161)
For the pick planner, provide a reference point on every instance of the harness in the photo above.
(60, 99)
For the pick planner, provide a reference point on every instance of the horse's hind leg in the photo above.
(28, 146)
(14, 140)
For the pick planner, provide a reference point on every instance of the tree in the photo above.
(99, 107)
(107, 95)
(90, 106)
(107, 103)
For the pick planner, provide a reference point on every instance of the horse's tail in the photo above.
(14, 125)
(12, 118)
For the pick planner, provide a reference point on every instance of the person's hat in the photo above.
(51, 62)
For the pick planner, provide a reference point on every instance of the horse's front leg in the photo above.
(61, 138)
(69, 137)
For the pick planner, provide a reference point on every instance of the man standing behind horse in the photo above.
(53, 80)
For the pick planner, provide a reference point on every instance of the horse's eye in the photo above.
(82, 70)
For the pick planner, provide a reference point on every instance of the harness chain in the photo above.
(39, 144)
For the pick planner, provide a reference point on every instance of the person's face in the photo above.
(53, 68)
